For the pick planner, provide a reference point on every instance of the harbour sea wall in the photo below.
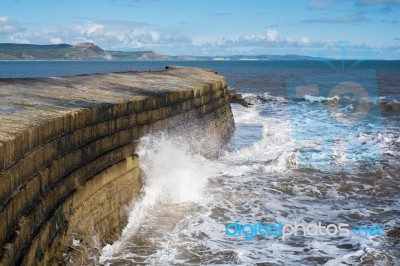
(68, 153)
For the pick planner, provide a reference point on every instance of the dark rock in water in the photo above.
(265, 98)
(238, 98)
(315, 260)
(393, 236)
(345, 246)
(394, 233)
(389, 106)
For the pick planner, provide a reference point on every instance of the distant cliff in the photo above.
(90, 51)
(138, 55)
(82, 51)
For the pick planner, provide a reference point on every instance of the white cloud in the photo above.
(127, 35)
(305, 40)
(8, 25)
(155, 36)
(11, 30)
(272, 35)
(270, 39)
(110, 35)
(55, 40)
(90, 28)
(253, 37)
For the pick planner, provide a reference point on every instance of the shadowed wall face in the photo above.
(68, 163)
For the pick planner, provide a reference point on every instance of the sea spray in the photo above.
(172, 176)
(269, 148)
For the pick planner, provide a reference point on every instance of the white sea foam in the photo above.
(173, 176)
(187, 200)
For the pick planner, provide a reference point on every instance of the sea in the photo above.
(311, 175)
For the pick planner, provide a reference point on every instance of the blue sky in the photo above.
(362, 29)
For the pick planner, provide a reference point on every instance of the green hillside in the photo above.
(82, 51)
(127, 55)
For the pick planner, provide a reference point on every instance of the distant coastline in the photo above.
(90, 51)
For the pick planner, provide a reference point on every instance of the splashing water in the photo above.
(174, 179)
(188, 200)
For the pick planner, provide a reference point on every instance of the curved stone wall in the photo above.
(68, 163)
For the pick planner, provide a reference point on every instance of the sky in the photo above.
(343, 29)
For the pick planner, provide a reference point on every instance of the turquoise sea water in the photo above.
(313, 147)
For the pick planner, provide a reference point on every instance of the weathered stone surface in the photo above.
(67, 153)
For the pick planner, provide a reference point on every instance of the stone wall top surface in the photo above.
(28, 102)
